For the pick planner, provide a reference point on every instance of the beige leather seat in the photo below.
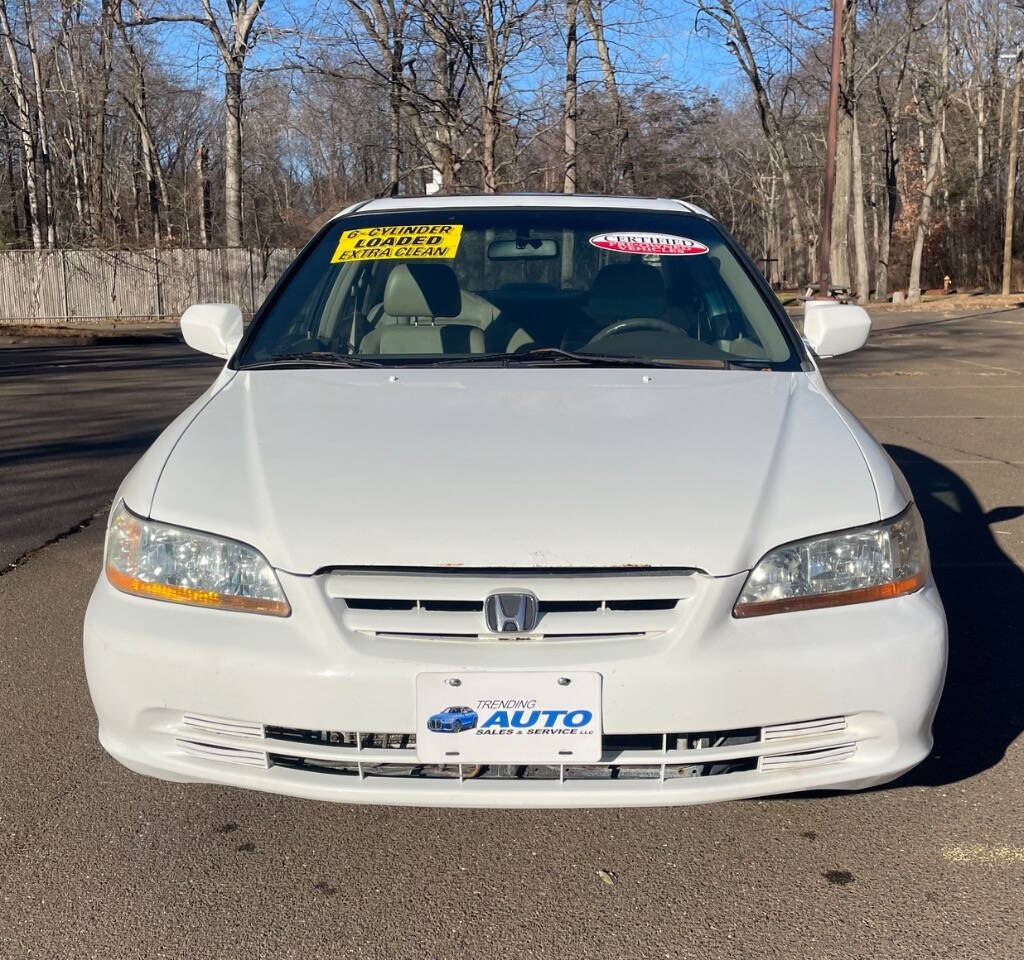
(422, 304)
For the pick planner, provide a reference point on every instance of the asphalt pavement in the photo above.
(96, 861)
(73, 420)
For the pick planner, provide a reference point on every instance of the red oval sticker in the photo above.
(662, 244)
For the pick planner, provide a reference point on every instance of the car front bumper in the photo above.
(841, 698)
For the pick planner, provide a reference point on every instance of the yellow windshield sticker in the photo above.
(415, 242)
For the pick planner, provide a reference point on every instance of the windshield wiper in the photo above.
(317, 358)
(553, 355)
(538, 356)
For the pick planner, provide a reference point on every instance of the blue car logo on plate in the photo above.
(452, 720)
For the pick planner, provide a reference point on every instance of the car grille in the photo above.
(435, 605)
(643, 756)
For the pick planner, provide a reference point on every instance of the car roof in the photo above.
(506, 200)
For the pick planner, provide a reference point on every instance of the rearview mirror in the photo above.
(832, 328)
(214, 328)
(528, 248)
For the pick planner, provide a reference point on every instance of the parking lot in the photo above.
(99, 862)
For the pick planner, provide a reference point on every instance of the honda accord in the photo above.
(564, 460)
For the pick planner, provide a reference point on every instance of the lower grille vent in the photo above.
(233, 728)
(808, 758)
(602, 771)
(215, 751)
(344, 738)
(634, 756)
(806, 728)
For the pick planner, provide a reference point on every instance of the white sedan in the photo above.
(518, 501)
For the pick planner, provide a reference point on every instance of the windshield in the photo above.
(535, 285)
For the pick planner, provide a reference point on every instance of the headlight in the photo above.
(886, 559)
(157, 560)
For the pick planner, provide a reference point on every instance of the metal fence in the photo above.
(138, 286)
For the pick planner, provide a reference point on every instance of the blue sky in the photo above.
(664, 42)
(671, 43)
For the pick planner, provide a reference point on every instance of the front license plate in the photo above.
(543, 718)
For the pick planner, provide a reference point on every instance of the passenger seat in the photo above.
(420, 304)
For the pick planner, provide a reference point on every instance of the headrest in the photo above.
(422, 290)
(627, 290)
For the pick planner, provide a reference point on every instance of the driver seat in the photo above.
(622, 291)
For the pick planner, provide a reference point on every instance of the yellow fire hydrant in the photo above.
(947, 283)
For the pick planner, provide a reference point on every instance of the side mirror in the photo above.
(214, 328)
(832, 328)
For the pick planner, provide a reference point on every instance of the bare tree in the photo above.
(233, 33)
(863, 278)
(1011, 175)
(137, 101)
(569, 108)
(888, 84)
(936, 120)
(203, 196)
(502, 23)
(593, 15)
(23, 122)
(386, 23)
(724, 13)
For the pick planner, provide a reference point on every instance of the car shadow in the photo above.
(982, 708)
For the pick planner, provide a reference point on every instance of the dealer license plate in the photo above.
(531, 718)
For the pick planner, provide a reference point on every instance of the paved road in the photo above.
(97, 862)
(72, 422)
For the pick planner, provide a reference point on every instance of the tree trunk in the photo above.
(395, 118)
(569, 110)
(884, 218)
(802, 254)
(46, 195)
(11, 188)
(839, 261)
(932, 167)
(842, 197)
(490, 143)
(152, 192)
(860, 244)
(980, 191)
(71, 138)
(924, 216)
(74, 124)
(203, 198)
(137, 190)
(95, 161)
(445, 102)
(233, 155)
(1011, 178)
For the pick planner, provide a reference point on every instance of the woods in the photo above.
(130, 124)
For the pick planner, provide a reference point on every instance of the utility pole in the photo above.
(1011, 170)
(825, 252)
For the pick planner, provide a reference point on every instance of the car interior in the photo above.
(614, 304)
(421, 308)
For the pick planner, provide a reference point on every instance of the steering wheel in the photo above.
(632, 323)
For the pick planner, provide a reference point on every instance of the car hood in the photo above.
(517, 468)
